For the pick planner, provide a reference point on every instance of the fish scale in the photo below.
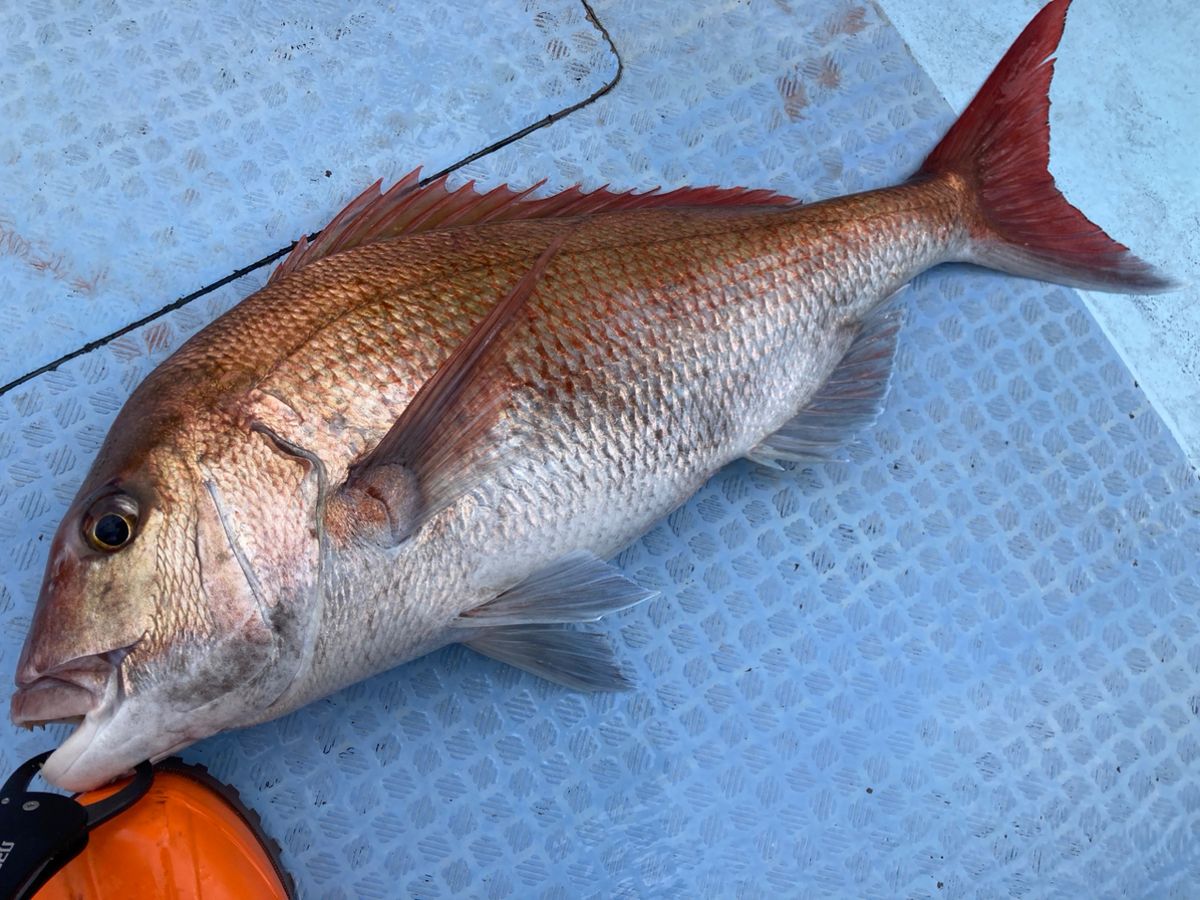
(368, 362)
(444, 411)
(708, 368)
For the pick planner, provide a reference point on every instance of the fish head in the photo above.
(177, 601)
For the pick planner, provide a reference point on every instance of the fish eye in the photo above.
(110, 523)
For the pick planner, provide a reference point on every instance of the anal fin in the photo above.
(524, 625)
(850, 401)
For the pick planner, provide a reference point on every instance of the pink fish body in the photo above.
(436, 421)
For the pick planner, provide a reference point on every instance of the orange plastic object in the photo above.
(189, 837)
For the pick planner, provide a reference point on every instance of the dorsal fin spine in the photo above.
(407, 207)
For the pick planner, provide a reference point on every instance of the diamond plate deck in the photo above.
(966, 663)
(156, 146)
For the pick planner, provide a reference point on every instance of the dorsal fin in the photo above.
(407, 208)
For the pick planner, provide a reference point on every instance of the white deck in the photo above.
(1125, 123)
(963, 664)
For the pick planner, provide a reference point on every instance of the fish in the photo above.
(443, 414)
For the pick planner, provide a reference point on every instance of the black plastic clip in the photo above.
(40, 832)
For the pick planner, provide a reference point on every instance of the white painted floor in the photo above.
(1125, 123)
(961, 664)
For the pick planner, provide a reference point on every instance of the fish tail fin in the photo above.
(999, 150)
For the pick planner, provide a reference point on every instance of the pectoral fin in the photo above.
(848, 402)
(524, 626)
(424, 463)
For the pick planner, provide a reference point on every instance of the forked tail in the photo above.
(1000, 148)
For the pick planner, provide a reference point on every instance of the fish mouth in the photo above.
(49, 701)
(66, 693)
(85, 692)
(114, 731)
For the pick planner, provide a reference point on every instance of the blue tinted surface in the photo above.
(966, 662)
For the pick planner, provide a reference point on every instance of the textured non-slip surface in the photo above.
(1124, 101)
(966, 662)
(150, 148)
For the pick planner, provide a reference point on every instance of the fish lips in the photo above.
(116, 731)
(85, 691)
(65, 693)
(50, 700)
